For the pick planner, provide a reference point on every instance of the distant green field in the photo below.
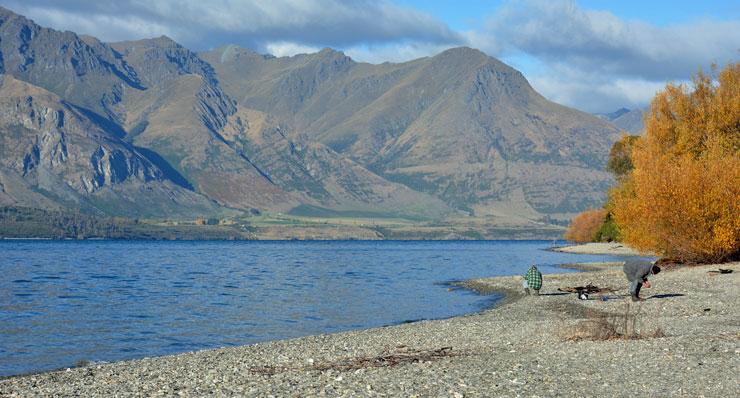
(305, 210)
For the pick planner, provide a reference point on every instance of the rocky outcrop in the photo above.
(42, 131)
(161, 60)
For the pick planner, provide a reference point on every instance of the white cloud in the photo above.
(561, 33)
(596, 61)
(114, 28)
(253, 23)
(288, 49)
(595, 95)
(588, 59)
(396, 52)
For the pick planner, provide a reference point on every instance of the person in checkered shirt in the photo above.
(532, 280)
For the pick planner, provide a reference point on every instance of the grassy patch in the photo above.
(305, 210)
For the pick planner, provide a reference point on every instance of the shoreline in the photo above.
(514, 348)
(613, 248)
(507, 295)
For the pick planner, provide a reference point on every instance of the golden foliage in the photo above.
(682, 199)
(620, 156)
(584, 227)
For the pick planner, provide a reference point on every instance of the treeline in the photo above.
(37, 223)
(678, 185)
(20, 222)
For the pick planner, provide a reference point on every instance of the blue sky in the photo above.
(463, 15)
(593, 55)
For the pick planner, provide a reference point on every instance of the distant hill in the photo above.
(627, 120)
(150, 128)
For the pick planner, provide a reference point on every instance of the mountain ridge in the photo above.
(233, 130)
(389, 115)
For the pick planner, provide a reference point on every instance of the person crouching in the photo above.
(637, 273)
(533, 280)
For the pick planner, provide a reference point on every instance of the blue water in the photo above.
(66, 301)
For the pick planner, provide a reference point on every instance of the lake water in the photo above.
(67, 301)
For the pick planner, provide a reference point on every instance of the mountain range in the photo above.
(630, 121)
(150, 128)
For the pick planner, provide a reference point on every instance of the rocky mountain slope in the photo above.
(233, 130)
(52, 155)
(461, 126)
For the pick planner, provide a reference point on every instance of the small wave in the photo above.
(101, 276)
(46, 277)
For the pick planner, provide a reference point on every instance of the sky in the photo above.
(593, 55)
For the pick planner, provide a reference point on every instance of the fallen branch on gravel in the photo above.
(721, 271)
(605, 326)
(589, 289)
(402, 355)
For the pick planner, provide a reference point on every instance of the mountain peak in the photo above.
(330, 53)
(613, 115)
(619, 112)
(4, 12)
(165, 40)
(155, 42)
(7, 14)
(466, 52)
(232, 52)
(332, 56)
(470, 56)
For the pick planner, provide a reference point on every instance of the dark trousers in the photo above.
(635, 287)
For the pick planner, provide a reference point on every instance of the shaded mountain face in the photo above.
(461, 126)
(233, 129)
(53, 155)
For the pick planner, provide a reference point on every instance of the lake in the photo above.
(62, 302)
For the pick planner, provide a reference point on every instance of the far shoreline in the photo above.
(610, 248)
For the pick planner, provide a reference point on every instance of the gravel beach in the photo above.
(522, 347)
(613, 248)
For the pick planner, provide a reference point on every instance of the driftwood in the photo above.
(588, 289)
(721, 271)
(402, 355)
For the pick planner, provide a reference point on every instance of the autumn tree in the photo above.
(620, 156)
(585, 226)
(682, 198)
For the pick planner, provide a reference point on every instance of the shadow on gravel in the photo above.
(668, 295)
(553, 294)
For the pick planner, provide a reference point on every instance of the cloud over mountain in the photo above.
(206, 24)
(560, 32)
(591, 59)
(595, 60)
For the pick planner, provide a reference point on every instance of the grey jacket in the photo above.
(636, 270)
